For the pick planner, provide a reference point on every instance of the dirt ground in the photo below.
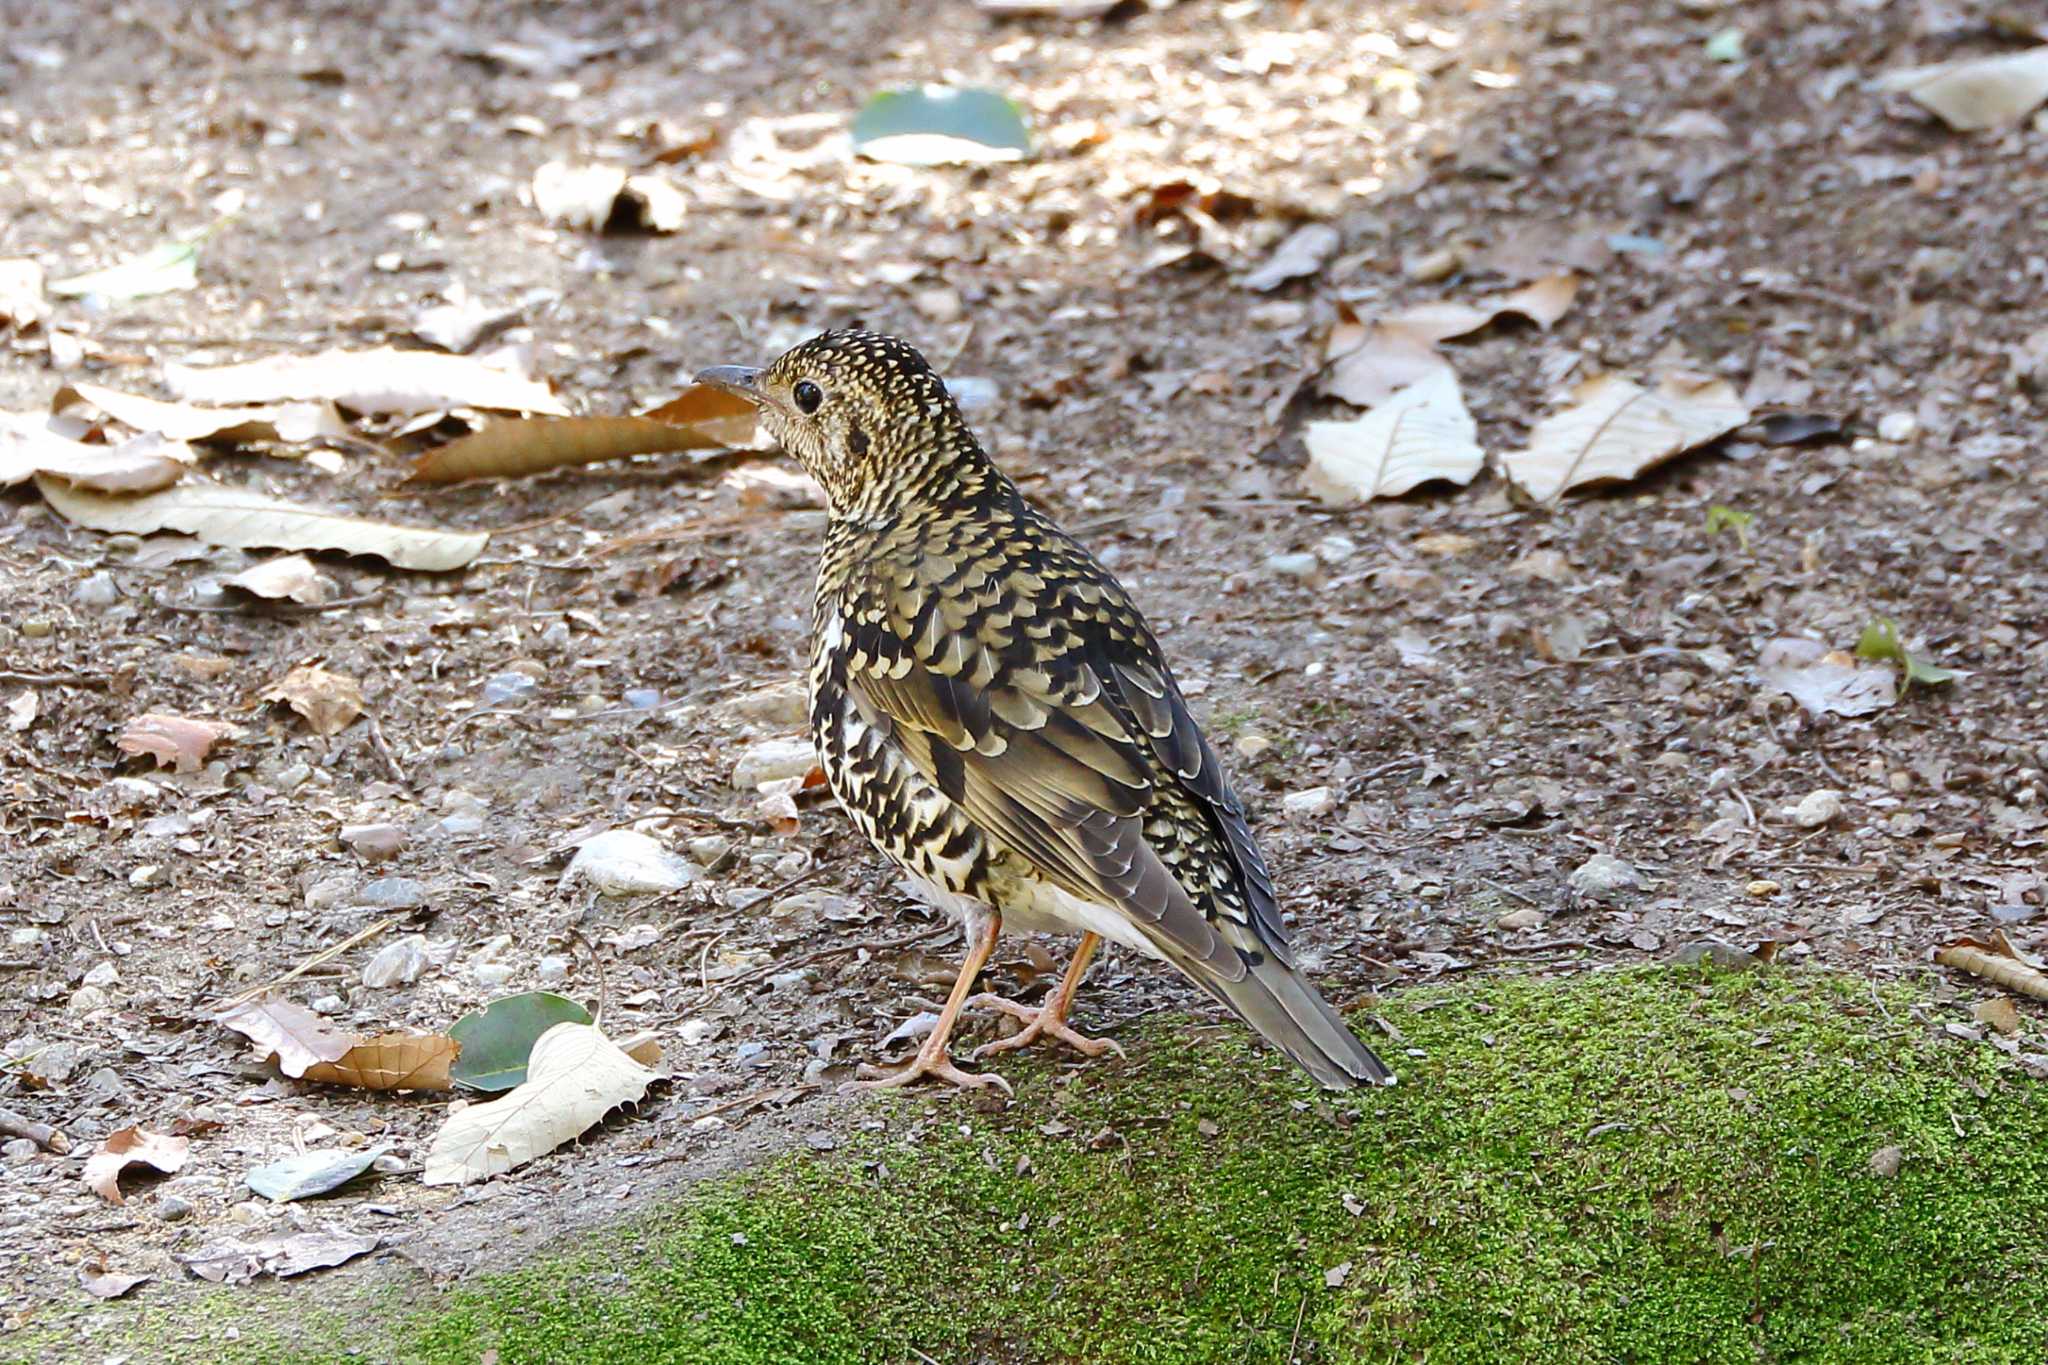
(1827, 249)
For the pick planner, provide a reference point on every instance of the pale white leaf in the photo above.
(383, 381)
(288, 577)
(1975, 92)
(574, 1077)
(1823, 680)
(187, 422)
(1420, 434)
(21, 293)
(1304, 252)
(1387, 359)
(28, 448)
(236, 516)
(1616, 429)
(577, 196)
(163, 269)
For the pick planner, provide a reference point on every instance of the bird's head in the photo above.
(863, 413)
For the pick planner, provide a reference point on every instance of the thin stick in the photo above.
(383, 748)
(41, 1134)
(324, 955)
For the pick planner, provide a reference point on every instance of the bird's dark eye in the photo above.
(808, 396)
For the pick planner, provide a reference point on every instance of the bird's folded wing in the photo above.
(1048, 769)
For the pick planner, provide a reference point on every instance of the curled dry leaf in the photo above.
(287, 578)
(102, 1283)
(575, 1077)
(178, 742)
(232, 1261)
(297, 1037)
(126, 1147)
(1823, 680)
(1976, 92)
(1998, 962)
(288, 422)
(383, 381)
(28, 448)
(235, 516)
(1305, 251)
(1616, 429)
(1420, 434)
(702, 418)
(392, 1061)
(329, 702)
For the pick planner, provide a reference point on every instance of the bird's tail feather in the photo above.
(1288, 1013)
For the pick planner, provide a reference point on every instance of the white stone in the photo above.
(1314, 801)
(773, 760)
(624, 862)
(1603, 877)
(397, 963)
(1897, 427)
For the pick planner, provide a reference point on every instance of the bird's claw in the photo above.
(1038, 1023)
(939, 1068)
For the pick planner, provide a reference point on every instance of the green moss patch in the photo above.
(1627, 1166)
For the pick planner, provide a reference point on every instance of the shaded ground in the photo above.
(1824, 249)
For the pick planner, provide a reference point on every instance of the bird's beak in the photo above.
(743, 380)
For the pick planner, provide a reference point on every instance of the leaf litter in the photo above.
(384, 381)
(127, 1147)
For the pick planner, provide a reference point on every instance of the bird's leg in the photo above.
(932, 1059)
(1050, 1019)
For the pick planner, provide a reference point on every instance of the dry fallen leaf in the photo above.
(125, 1147)
(288, 422)
(574, 1077)
(29, 448)
(231, 1261)
(21, 293)
(1823, 680)
(1616, 429)
(1976, 92)
(299, 1038)
(392, 1061)
(1998, 962)
(23, 710)
(1420, 434)
(1305, 251)
(703, 418)
(1378, 360)
(381, 381)
(173, 741)
(329, 702)
(100, 1282)
(235, 516)
(286, 578)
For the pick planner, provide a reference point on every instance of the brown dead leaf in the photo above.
(296, 1036)
(329, 702)
(178, 742)
(393, 1061)
(702, 418)
(1999, 1012)
(1998, 962)
(288, 422)
(29, 448)
(286, 578)
(1385, 359)
(236, 516)
(384, 381)
(126, 1147)
(100, 1282)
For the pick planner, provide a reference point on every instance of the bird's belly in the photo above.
(1030, 904)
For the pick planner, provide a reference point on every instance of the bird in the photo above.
(998, 719)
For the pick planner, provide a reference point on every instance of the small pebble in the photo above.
(97, 591)
(503, 688)
(1897, 427)
(378, 843)
(18, 1150)
(1817, 808)
(643, 698)
(771, 761)
(1527, 917)
(103, 974)
(624, 862)
(329, 892)
(1762, 887)
(1434, 266)
(393, 893)
(86, 999)
(1314, 801)
(1884, 1162)
(1298, 565)
(790, 980)
(551, 970)
(491, 973)
(398, 963)
(171, 1208)
(1251, 746)
(708, 848)
(1604, 877)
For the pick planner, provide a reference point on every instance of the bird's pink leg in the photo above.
(1050, 1019)
(933, 1059)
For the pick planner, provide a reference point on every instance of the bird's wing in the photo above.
(1067, 741)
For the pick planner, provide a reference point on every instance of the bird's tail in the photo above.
(1289, 1013)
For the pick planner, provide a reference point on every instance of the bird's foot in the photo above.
(938, 1066)
(1040, 1022)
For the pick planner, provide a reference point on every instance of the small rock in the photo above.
(695, 1031)
(551, 970)
(1884, 1162)
(503, 688)
(97, 592)
(171, 1208)
(1334, 549)
(329, 892)
(393, 893)
(86, 999)
(1762, 887)
(18, 1150)
(148, 875)
(1525, 918)
(773, 760)
(1897, 427)
(1251, 746)
(398, 963)
(973, 392)
(1725, 956)
(328, 1004)
(820, 1142)
(642, 698)
(708, 848)
(795, 980)
(103, 974)
(825, 904)
(37, 628)
(624, 862)
(940, 304)
(491, 973)
(1817, 808)
(1315, 801)
(1297, 565)
(1434, 266)
(1604, 877)
(374, 843)
(783, 705)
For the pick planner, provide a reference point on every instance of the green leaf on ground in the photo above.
(497, 1040)
(1723, 518)
(936, 125)
(163, 269)
(1880, 640)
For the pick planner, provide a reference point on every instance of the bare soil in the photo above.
(1827, 249)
